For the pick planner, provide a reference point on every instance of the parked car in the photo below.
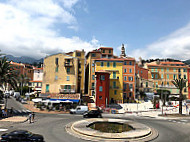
(24, 101)
(79, 110)
(7, 94)
(16, 95)
(21, 136)
(93, 114)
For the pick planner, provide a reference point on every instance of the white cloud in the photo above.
(176, 45)
(28, 28)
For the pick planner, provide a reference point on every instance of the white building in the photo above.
(36, 83)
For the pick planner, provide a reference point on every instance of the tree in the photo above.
(164, 95)
(180, 84)
(7, 75)
(23, 80)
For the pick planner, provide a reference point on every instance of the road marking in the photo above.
(179, 122)
(174, 121)
(184, 120)
(169, 120)
(3, 130)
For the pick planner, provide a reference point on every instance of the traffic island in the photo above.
(84, 129)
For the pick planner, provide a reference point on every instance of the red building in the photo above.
(102, 88)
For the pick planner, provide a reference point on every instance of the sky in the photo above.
(148, 28)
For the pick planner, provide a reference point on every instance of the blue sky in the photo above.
(148, 28)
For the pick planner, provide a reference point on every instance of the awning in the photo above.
(37, 100)
(66, 100)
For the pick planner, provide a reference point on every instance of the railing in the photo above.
(114, 87)
(72, 91)
(166, 86)
(68, 64)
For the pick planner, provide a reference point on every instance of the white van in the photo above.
(79, 110)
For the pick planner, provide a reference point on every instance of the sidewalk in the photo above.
(15, 119)
(30, 106)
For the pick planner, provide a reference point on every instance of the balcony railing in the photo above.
(68, 64)
(69, 91)
(166, 86)
(114, 87)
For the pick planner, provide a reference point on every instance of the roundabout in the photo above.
(133, 131)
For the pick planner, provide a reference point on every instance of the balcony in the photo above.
(68, 64)
(67, 91)
(114, 87)
(167, 86)
(114, 77)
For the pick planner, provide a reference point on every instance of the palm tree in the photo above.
(180, 84)
(23, 80)
(7, 75)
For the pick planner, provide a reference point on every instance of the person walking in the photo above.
(33, 116)
(30, 118)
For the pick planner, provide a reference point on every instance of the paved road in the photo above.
(52, 127)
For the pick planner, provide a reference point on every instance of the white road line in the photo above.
(178, 122)
(174, 121)
(169, 120)
(184, 120)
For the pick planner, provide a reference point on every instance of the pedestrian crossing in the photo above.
(182, 121)
(21, 112)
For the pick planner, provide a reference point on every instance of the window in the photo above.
(152, 70)
(167, 76)
(156, 70)
(156, 84)
(93, 70)
(184, 70)
(93, 55)
(130, 86)
(47, 87)
(174, 69)
(56, 77)
(141, 71)
(125, 70)
(114, 84)
(179, 70)
(56, 69)
(68, 78)
(110, 51)
(162, 76)
(125, 63)
(125, 78)
(185, 77)
(130, 94)
(114, 64)
(174, 76)
(115, 92)
(167, 69)
(100, 97)
(185, 90)
(108, 64)
(168, 83)
(114, 75)
(100, 89)
(92, 64)
(130, 63)
(56, 61)
(130, 78)
(103, 51)
(146, 84)
(93, 77)
(102, 77)
(125, 86)
(152, 75)
(92, 85)
(78, 54)
(130, 70)
(102, 64)
(179, 76)
(68, 70)
(156, 76)
(162, 69)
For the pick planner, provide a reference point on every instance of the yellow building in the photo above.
(162, 73)
(63, 73)
(115, 67)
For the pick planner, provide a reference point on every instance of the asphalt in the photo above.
(52, 126)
